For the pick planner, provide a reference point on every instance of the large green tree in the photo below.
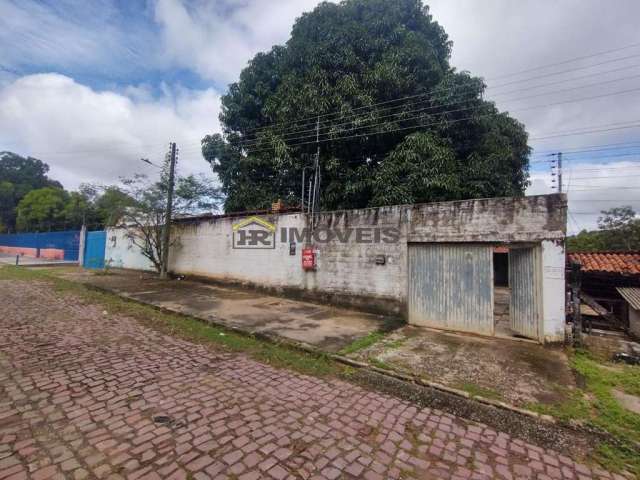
(18, 176)
(42, 210)
(347, 65)
(618, 230)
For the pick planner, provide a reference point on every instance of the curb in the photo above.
(544, 422)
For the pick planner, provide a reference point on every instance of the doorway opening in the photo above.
(517, 291)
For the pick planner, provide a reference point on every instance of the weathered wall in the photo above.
(553, 290)
(351, 269)
(348, 272)
(525, 219)
(205, 248)
(634, 322)
(120, 252)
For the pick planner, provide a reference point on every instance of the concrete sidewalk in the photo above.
(326, 327)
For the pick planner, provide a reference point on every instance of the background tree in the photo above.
(42, 210)
(18, 176)
(358, 58)
(145, 215)
(619, 230)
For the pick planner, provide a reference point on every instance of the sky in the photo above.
(92, 86)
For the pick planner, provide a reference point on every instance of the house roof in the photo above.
(631, 295)
(624, 263)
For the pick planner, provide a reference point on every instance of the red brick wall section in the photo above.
(52, 253)
(27, 252)
(48, 253)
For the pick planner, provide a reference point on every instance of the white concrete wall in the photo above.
(205, 248)
(553, 291)
(120, 252)
(351, 267)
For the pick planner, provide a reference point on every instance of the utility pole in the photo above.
(167, 219)
(575, 300)
(316, 177)
(559, 172)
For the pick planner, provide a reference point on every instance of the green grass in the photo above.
(395, 344)
(379, 363)
(277, 355)
(477, 390)
(369, 340)
(596, 406)
(362, 343)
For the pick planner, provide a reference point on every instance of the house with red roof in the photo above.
(605, 275)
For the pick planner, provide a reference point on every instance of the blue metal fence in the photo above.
(53, 245)
(94, 249)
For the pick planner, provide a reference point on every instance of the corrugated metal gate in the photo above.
(94, 249)
(451, 286)
(526, 284)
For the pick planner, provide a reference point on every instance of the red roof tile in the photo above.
(627, 263)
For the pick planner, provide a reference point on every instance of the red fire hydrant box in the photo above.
(308, 259)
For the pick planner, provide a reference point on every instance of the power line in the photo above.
(451, 121)
(568, 71)
(585, 159)
(570, 60)
(586, 132)
(416, 99)
(327, 125)
(631, 144)
(312, 118)
(605, 177)
(572, 79)
(604, 188)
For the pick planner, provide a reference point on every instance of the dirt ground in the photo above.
(323, 326)
(517, 372)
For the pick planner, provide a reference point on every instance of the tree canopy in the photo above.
(618, 230)
(41, 209)
(18, 176)
(347, 65)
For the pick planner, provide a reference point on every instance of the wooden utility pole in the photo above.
(315, 199)
(167, 219)
(575, 301)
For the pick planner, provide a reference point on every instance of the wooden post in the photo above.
(575, 301)
(166, 231)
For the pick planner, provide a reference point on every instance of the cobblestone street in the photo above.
(85, 394)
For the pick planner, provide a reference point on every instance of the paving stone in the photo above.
(101, 385)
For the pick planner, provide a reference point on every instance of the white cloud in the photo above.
(217, 39)
(87, 135)
(99, 39)
(592, 187)
(497, 38)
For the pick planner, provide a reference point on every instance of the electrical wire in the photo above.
(311, 119)
(452, 121)
(312, 131)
